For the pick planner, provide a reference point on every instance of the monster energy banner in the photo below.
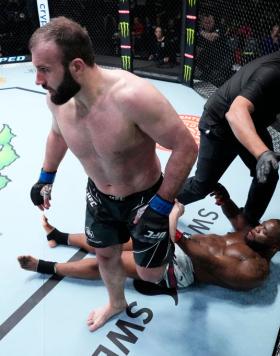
(190, 36)
(124, 29)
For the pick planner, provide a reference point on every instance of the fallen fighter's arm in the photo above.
(230, 209)
(237, 267)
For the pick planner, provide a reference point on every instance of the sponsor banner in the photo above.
(15, 59)
(43, 12)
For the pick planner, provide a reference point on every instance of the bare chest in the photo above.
(105, 133)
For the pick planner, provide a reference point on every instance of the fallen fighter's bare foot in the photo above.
(29, 263)
(100, 316)
(48, 228)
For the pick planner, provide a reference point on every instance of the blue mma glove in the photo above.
(153, 225)
(42, 187)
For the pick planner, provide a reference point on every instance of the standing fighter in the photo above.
(111, 120)
(234, 123)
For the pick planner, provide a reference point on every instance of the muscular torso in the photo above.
(108, 143)
(226, 260)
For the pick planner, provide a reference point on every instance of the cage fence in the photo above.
(230, 35)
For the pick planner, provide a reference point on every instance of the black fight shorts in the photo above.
(109, 221)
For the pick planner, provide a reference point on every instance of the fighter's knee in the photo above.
(153, 275)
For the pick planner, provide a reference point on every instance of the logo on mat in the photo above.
(7, 153)
(187, 73)
(124, 27)
(126, 62)
(190, 36)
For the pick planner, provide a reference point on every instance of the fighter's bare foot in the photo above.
(98, 317)
(48, 228)
(29, 263)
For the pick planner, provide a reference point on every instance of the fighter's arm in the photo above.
(155, 116)
(54, 152)
(55, 147)
(257, 94)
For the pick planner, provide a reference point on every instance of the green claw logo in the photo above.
(187, 72)
(7, 153)
(126, 62)
(190, 36)
(191, 3)
(124, 26)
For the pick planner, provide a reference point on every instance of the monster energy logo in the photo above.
(187, 72)
(124, 28)
(190, 36)
(126, 62)
(7, 153)
(191, 3)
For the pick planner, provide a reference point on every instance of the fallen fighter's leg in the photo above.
(88, 268)
(56, 237)
(85, 268)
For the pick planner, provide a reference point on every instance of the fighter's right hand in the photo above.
(221, 194)
(41, 191)
(266, 162)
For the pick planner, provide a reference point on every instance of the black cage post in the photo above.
(125, 34)
(190, 36)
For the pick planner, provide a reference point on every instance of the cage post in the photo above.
(125, 35)
(190, 39)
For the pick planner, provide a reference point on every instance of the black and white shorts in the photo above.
(109, 221)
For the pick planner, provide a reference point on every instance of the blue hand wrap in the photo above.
(47, 177)
(160, 205)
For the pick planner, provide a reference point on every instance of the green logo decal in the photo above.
(124, 27)
(7, 153)
(191, 3)
(187, 72)
(126, 62)
(190, 36)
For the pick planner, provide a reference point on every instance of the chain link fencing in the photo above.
(231, 34)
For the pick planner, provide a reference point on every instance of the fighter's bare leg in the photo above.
(113, 275)
(76, 240)
(48, 228)
(154, 275)
(86, 268)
